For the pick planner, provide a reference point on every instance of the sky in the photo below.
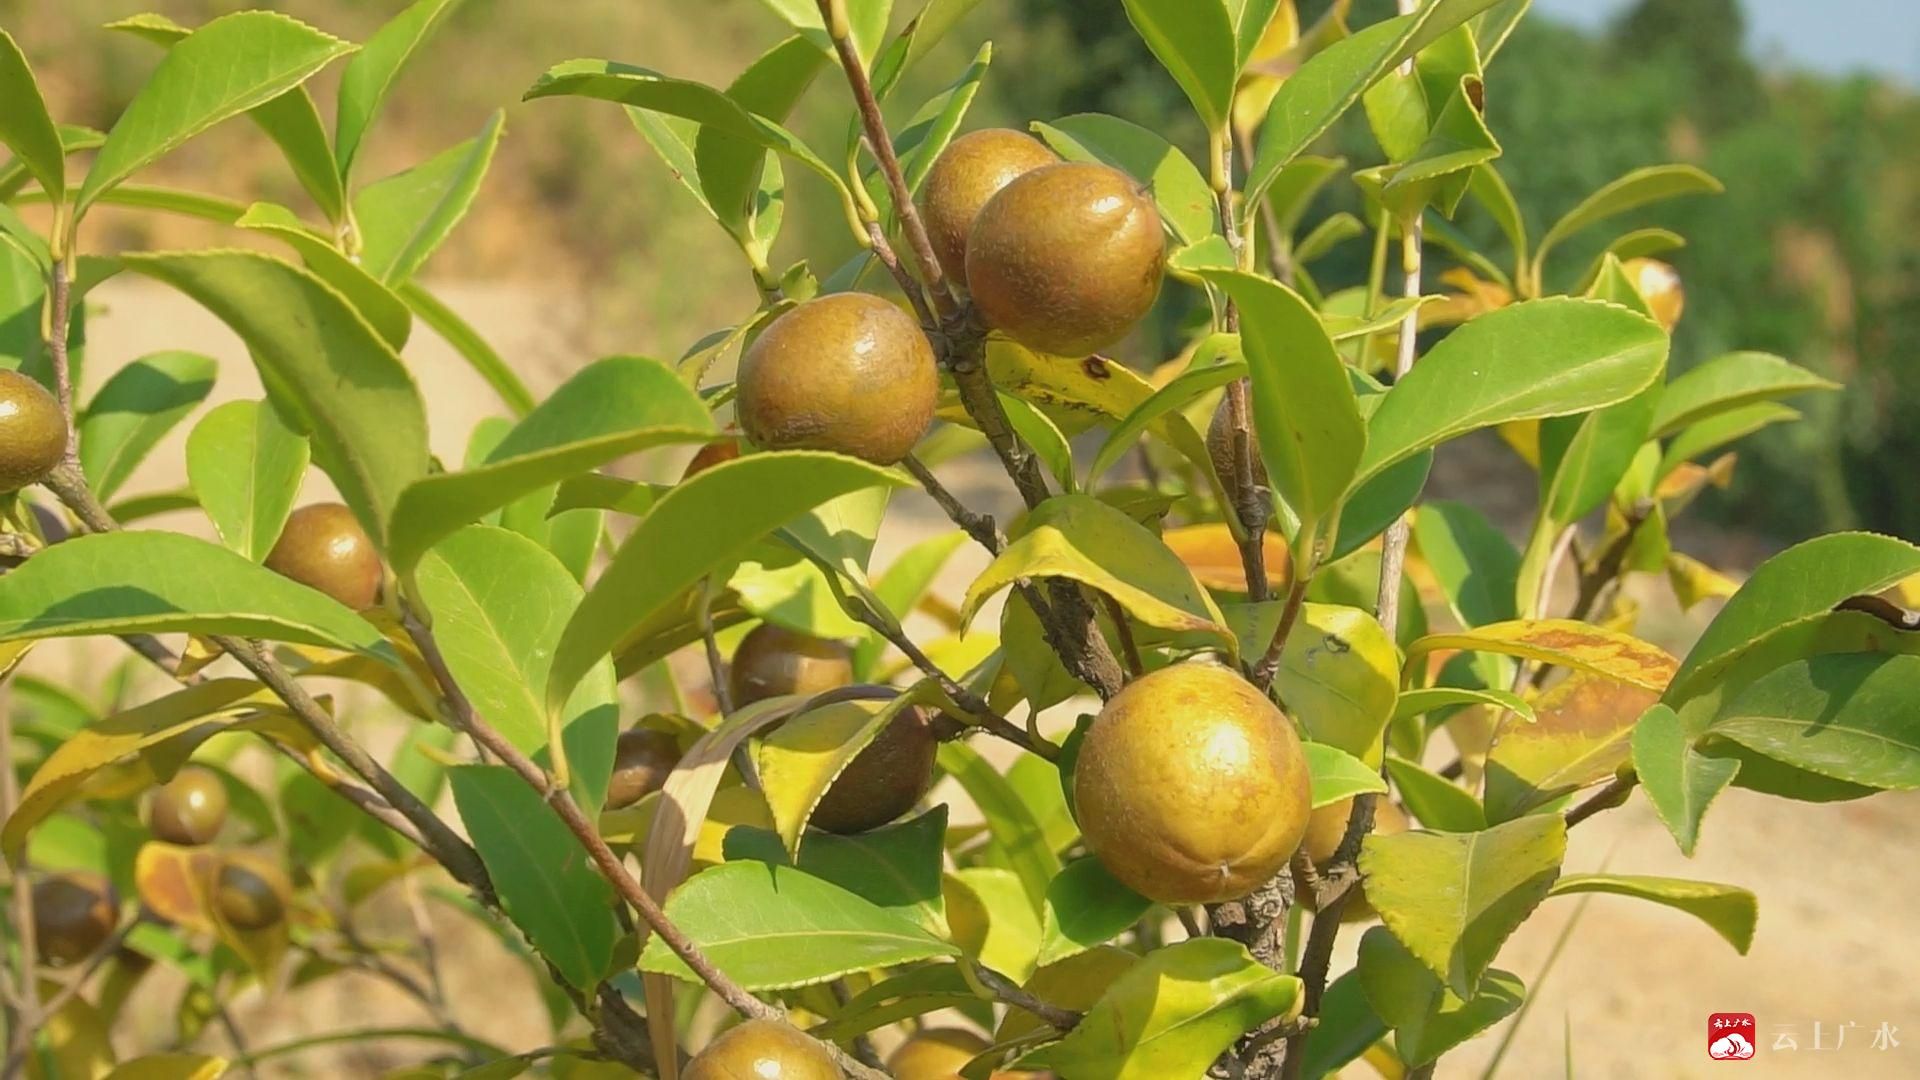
(1834, 36)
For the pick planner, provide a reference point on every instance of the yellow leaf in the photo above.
(171, 1067)
(1564, 643)
(1694, 581)
(1909, 591)
(1339, 674)
(800, 759)
(176, 883)
(78, 1040)
(1258, 85)
(992, 919)
(1580, 737)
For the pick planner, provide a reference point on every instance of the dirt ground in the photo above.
(1632, 991)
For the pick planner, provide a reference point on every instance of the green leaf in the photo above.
(915, 992)
(1632, 191)
(1017, 834)
(728, 167)
(245, 465)
(1530, 360)
(138, 405)
(1250, 21)
(1328, 84)
(1414, 703)
(225, 68)
(1311, 436)
(1474, 562)
(1719, 430)
(1339, 672)
(1680, 781)
(993, 920)
(700, 526)
(383, 309)
(160, 582)
(1847, 716)
(1180, 392)
(1172, 1014)
(1729, 382)
(896, 867)
(1803, 582)
(1731, 911)
(1490, 190)
(1582, 736)
(322, 363)
(1043, 437)
(774, 927)
(1346, 1029)
(1339, 775)
(1080, 538)
(1583, 458)
(1179, 189)
(1428, 1019)
(1453, 898)
(1437, 802)
(1194, 41)
(370, 76)
(545, 882)
(1086, 906)
(932, 126)
(866, 22)
(608, 409)
(25, 126)
(404, 217)
(470, 345)
(1374, 506)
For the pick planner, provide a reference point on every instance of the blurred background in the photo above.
(581, 244)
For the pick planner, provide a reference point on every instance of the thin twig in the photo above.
(1393, 552)
(883, 250)
(1248, 508)
(716, 667)
(1269, 663)
(1008, 992)
(1128, 647)
(979, 526)
(973, 704)
(58, 327)
(1614, 794)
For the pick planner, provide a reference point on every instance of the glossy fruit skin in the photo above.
(884, 780)
(710, 455)
(1066, 258)
(33, 431)
(935, 1054)
(773, 660)
(1660, 287)
(1191, 786)
(73, 914)
(1220, 451)
(762, 1050)
(641, 761)
(189, 809)
(1325, 830)
(251, 897)
(324, 548)
(847, 372)
(970, 172)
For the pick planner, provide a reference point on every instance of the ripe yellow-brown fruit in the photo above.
(189, 809)
(641, 761)
(935, 1054)
(73, 914)
(712, 454)
(773, 660)
(884, 780)
(762, 1050)
(253, 896)
(847, 372)
(1659, 285)
(1066, 258)
(33, 431)
(1191, 786)
(324, 548)
(1325, 829)
(968, 173)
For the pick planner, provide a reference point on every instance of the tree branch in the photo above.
(1613, 795)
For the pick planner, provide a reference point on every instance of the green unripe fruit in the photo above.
(641, 761)
(251, 897)
(969, 173)
(1066, 258)
(1191, 786)
(324, 548)
(884, 780)
(773, 661)
(935, 1054)
(762, 1050)
(189, 809)
(848, 372)
(33, 431)
(73, 914)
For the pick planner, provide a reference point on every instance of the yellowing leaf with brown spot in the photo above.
(176, 883)
(1582, 735)
(1563, 643)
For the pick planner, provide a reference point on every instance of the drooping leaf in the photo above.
(1453, 898)
(470, 345)
(405, 217)
(1636, 189)
(226, 67)
(896, 866)
(799, 761)
(1018, 835)
(545, 882)
(1086, 906)
(1043, 437)
(774, 927)
(1583, 736)
(1179, 189)
(1731, 911)
(139, 404)
(370, 75)
(1846, 716)
(381, 307)
(1172, 1014)
(1564, 643)
(1681, 782)
(1474, 562)
(1427, 1018)
(323, 365)
(244, 465)
(25, 126)
(1338, 775)
(1195, 42)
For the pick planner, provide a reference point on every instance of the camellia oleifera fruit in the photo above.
(189, 809)
(969, 173)
(251, 896)
(935, 1054)
(324, 548)
(1220, 451)
(773, 660)
(1325, 829)
(73, 914)
(1659, 285)
(1066, 258)
(762, 1050)
(884, 780)
(847, 372)
(714, 453)
(1191, 786)
(33, 431)
(642, 758)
